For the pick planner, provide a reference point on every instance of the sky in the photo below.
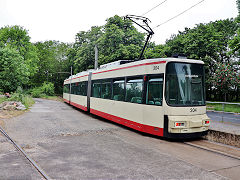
(62, 19)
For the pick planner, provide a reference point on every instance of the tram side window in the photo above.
(83, 88)
(70, 88)
(106, 90)
(134, 88)
(118, 90)
(73, 88)
(96, 89)
(154, 91)
(80, 88)
(77, 88)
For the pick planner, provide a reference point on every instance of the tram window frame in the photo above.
(107, 82)
(83, 88)
(80, 88)
(97, 82)
(77, 88)
(188, 103)
(155, 101)
(84, 85)
(115, 96)
(134, 99)
(73, 88)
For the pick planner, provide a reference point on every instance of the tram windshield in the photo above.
(185, 84)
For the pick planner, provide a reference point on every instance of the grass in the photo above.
(26, 100)
(227, 107)
(2, 99)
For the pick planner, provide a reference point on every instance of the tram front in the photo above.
(185, 110)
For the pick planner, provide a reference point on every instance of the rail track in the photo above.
(216, 148)
(32, 162)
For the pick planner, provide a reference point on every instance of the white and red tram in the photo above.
(163, 97)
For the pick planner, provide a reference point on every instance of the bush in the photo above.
(47, 89)
(16, 97)
(19, 90)
(36, 92)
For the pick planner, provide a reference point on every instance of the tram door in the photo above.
(153, 111)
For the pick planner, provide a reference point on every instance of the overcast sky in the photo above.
(62, 19)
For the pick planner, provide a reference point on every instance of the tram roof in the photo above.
(116, 64)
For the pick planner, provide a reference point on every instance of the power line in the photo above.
(179, 14)
(154, 7)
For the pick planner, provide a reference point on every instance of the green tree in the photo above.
(208, 42)
(17, 37)
(53, 63)
(83, 49)
(234, 45)
(13, 70)
(46, 64)
(226, 80)
(238, 6)
(117, 39)
(157, 51)
(120, 40)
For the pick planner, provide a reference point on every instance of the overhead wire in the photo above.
(150, 35)
(179, 14)
(154, 7)
(147, 13)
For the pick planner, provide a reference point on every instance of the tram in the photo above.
(163, 96)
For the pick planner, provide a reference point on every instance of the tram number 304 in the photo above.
(193, 109)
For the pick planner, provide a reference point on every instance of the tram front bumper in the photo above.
(188, 124)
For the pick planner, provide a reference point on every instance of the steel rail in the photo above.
(212, 150)
(34, 164)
